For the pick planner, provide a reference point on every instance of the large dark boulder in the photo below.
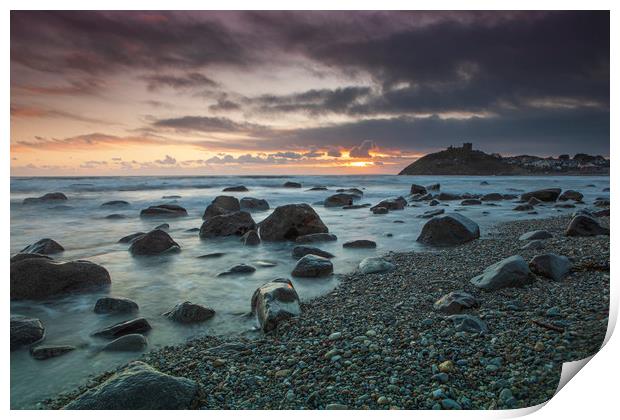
(164, 210)
(313, 266)
(551, 265)
(138, 387)
(253, 204)
(509, 272)
(548, 194)
(450, 229)
(275, 301)
(316, 237)
(571, 195)
(291, 184)
(153, 243)
(44, 246)
(397, 203)
(130, 238)
(222, 204)
(237, 223)
(132, 326)
(583, 225)
(302, 250)
(129, 342)
(39, 278)
(115, 305)
(290, 221)
(236, 188)
(25, 331)
(417, 189)
(189, 313)
(20, 257)
(340, 200)
(49, 197)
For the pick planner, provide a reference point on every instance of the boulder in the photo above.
(251, 238)
(163, 226)
(222, 204)
(25, 331)
(601, 202)
(153, 243)
(431, 213)
(164, 210)
(548, 194)
(138, 387)
(535, 234)
(316, 237)
(313, 266)
(130, 238)
(444, 196)
(433, 187)
(39, 278)
(115, 305)
(132, 326)
(115, 203)
(455, 303)
(417, 189)
(582, 225)
(564, 206)
(187, 313)
(237, 223)
(468, 323)
(291, 221)
(601, 213)
(397, 203)
(433, 203)
(509, 272)
(356, 206)
(253, 204)
(533, 201)
(318, 188)
(115, 216)
(379, 210)
(448, 230)
(290, 184)
(171, 197)
(44, 246)
(237, 269)
(275, 301)
(300, 251)
(55, 196)
(535, 244)
(47, 352)
(340, 200)
(375, 265)
(550, 265)
(360, 243)
(523, 207)
(20, 257)
(492, 197)
(571, 195)
(236, 188)
(129, 342)
(471, 202)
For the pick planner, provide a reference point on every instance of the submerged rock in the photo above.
(25, 331)
(471, 202)
(138, 387)
(237, 223)
(236, 188)
(275, 301)
(155, 242)
(115, 305)
(492, 197)
(582, 225)
(44, 246)
(40, 278)
(222, 204)
(444, 196)
(360, 243)
(291, 184)
(523, 207)
(379, 210)
(340, 200)
(168, 210)
(132, 326)
(47, 352)
(455, 302)
(187, 312)
(431, 213)
(550, 265)
(448, 230)
(238, 269)
(313, 266)
(20, 257)
(291, 221)
(55, 196)
(115, 203)
(571, 195)
(548, 194)
(509, 272)
(301, 251)
(375, 265)
(397, 203)
(316, 237)
(129, 342)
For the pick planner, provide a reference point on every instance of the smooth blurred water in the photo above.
(158, 283)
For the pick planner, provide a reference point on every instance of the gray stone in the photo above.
(360, 243)
(571, 195)
(238, 269)
(47, 352)
(448, 230)
(55, 196)
(236, 188)
(133, 326)
(550, 265)
(302, 250)
(164, 210)
(340, 200)
(509, 272)
(236, 223)
(313, 266)
(153, 243)
(471, 202)
(444, 196)
(548, 194)
(316, 237)
(582, 225)
(130, 238)
(492, 197)
(431, 213)
(397, 203)
(129, 342)
(222, 204)
(291, 184)
(375, 265)
(275, 301)
(115, 305)
(188, 312)
(44, 246)
(535, 244)
(535, 234)
(455, 302)
(523, 207)
(25, 331)
(468, 323)
(115, 203)
(253, 204)
(21, 257)
(417, 189)
(291, 221)
(251, 238)
(379, 210)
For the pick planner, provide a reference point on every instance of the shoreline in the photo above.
(391, 341)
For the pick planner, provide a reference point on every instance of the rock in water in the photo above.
(39, 278)
(187, 312)
(444, 196)
(45, 246)
(251, 238)
(47, 352)
(431, 213)
(129, 342)
(313, 266)
(275, 301)
(291, 184)
(492, 197)
(115, 305)
(451, 229)
(340, 200)
(360, 243)
(375, 265)
(222, 204)
(25, 331)
(549, 194)
(55, 196)
(290, 221)
(138, 325)
(509, 272)
(571, 195)
(301, 251)
(550, 265)
(236, 188)
(316, 237)
(455, 302)
(138, 387)
(417, 189)
(471, 202)
(155, 242)
(237, 223)
(397, 203)
(250, 204)
(168, 210)
(535, 234)
(379, 210)
(20, 257)
(582, 225)
(238, 269)
(130, 238)
(115, 203)
(523, 207)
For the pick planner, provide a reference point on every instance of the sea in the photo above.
(157, 283)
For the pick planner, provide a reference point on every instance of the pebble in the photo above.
(335, 336)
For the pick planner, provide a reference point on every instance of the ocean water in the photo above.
(157, 283)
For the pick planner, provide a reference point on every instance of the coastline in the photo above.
(392, 341)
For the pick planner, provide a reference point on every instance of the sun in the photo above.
(360, 164)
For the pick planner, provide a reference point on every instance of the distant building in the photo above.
(467, 147)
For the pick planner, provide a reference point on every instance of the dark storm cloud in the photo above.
(315, 101)
(186, 81)
(206, 125)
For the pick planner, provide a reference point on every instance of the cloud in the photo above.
(81, 87)
(333, 152)
(86, 141)
(168, 160)
(20, 111)
(362, 150)
(91, 164)
(205, 124)
(186, 81)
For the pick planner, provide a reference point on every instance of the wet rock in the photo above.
(509, 272)
(548, 194)
(448, 230)
(130, 238)
(237, 223)
(397, 203)
(253, 204)
(132, 326)
(238, 269)
(171, 197)
(433, 203)
(535, 234)
(340, 200)
(46, 198)
(236, 188)
(471, 202)
(444, 196)
(606, 189)
(318, 188)
(115, 216)
(163, 226)
(222, 204)
(601, 213)
(115, 305)
(129, 342)
(212, 255)
(47, 352)
(564, 206)
(433, 187)
(275, 301)
(356, 206)
(138, 387)
(379, 210)
(164, 210)
(313, 266)
(153, 243)
(523, 207)
(375, 265)
(417, 189)
(316, 237)
(39, 278)
(550, 265)
(25, 331)
(533, 201)
(251, 238)
(354, 191)
(291, 221)
(431, 213)
(468, 323)
(601, 203)
(192, 230)
(20, 257)
(188, 313)
(115, 203)
(492, 197)
(44, 246)
(585, 226)
(455, 302)
(360, 243)
(291, 184)
(571, 195)
(301, 251)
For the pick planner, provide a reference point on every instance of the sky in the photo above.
(218, 93)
